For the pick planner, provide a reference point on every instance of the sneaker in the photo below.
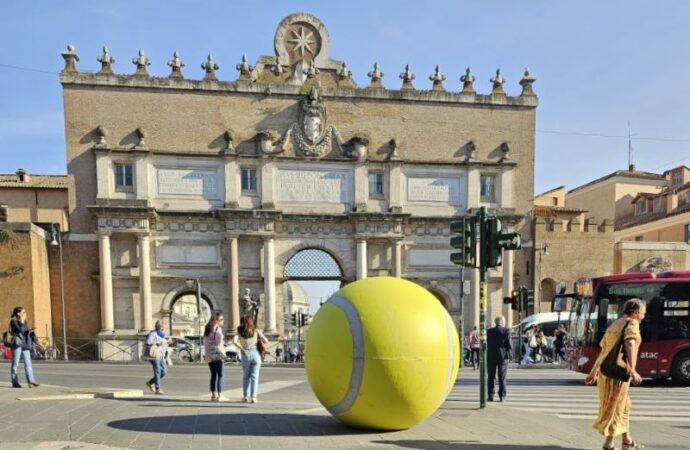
(214, 398)
(159, 392)
(255, 400)
(16, 385)
(221, 398)
(151, 387)
(245, 399)
(34, 384)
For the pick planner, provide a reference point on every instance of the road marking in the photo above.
(310, 410)
(264, 388)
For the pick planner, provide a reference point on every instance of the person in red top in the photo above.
(473, 340)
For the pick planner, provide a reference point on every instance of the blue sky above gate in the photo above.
(597, 64)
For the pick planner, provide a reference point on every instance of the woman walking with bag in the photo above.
(215, 355)
(246, 340)
(155, 351)
(21, 344)
(613, 371)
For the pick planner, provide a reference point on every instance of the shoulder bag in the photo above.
(152, 351)
(610, 366)
(260, 346)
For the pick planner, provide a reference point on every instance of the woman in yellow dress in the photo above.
(614, 397)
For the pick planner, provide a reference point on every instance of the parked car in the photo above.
(232, 352)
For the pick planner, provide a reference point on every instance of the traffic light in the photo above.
(304, 319)
(465, 241)
(513, 300)
(526, 299)
(293, 318)
(495, 241)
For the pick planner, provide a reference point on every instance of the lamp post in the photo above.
(543, 250)
(56, 241)
(194, 284)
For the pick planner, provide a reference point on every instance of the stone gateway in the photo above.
(224, 182)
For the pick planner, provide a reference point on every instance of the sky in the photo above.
(598, 64)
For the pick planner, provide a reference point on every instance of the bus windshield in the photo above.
(668, 307)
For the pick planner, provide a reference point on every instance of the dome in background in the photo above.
(295, 293)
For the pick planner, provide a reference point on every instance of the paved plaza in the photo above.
(94, 406)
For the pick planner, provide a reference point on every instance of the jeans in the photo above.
(474, 356)
(251, 365)
(160, 368)
(17, 353)
(525, 354)
(217, 375)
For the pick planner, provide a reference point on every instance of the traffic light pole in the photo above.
(481, 219)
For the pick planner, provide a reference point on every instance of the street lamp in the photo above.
(56, 241)
(194, 284)
(543, 250)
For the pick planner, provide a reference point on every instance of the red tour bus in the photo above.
(665, 349)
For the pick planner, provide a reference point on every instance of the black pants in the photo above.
(502, 369)
(474, 356)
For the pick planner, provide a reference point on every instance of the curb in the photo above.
(132, 393)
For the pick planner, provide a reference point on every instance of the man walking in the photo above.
(499, 352)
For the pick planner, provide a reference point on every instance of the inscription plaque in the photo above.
(445, 190)
(196, 182)
(320, 186)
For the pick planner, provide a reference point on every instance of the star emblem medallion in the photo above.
(303, 40)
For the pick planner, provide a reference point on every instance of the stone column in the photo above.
(145, 282)
(508, 258)
(395, 188)
(269, 285)
(106, 276)
(473, 186)
(234, 282)
(506, 187)
(361, 258)
(397, 258)
(141, 176)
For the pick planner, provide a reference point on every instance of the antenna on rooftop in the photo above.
(631, 166)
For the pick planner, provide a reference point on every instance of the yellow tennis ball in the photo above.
(382, 353)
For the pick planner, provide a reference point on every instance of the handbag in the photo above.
(260, 346)
(610, 366)
(152, 351)
(7, 339)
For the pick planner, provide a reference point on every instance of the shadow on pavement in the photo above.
(240, 424)
(466, 445)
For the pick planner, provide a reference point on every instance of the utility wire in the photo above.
(28, 69)
(613, 136)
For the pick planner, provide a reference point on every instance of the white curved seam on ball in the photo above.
(357, 374)
(451, 357)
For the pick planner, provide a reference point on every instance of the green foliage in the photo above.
(154, 218)
(7, 236)
(305, 89)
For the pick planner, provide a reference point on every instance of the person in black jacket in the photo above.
(499, 352)
(23, 343)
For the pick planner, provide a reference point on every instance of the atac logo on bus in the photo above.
(649, 355)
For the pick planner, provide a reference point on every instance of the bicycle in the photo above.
(44, 350)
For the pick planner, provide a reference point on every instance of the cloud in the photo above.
(44, 123)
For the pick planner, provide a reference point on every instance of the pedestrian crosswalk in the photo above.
(561, 393)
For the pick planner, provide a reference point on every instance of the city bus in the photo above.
(665, 349)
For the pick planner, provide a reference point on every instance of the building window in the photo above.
(554, 201)
(375, 185)
(123, 177)
(249, 181)
(677, 178)
(640, 207)
(639, 238)
(488, 188)
(687, 234)
(656, 206)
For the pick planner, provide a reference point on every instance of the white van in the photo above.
(547, 321)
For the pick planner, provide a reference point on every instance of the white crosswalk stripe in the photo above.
(562, 393)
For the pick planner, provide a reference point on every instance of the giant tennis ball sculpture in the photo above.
(382, 353)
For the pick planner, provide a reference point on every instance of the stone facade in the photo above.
(24, 276)
(225, 181)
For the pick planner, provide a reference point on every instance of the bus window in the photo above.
(676, 319)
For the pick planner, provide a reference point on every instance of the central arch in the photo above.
(313, 264)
